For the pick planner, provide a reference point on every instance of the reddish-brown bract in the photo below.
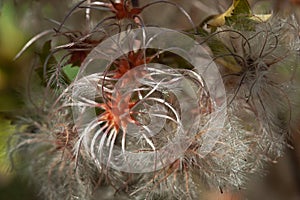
(132, 60)
(123, 10)
(117, 108)
(80, 51)
(117, 112)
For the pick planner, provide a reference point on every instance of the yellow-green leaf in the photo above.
(238, 7)
(261, 18)
(6, 130)
(238, 16)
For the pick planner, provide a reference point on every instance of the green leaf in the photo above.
(241, 7)
(71, 71)
(240, 17)
(219, 49)
(49, 66)
(44, 56)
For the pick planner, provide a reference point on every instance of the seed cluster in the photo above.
(71, 154)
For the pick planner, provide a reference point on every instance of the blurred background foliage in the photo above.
(12, 76)
(22, 19)
(19, 20)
